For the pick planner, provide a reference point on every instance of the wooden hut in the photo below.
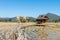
(41, 19)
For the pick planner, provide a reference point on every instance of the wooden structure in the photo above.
(41, 19)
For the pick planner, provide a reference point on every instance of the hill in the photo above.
(13, 19)
(53, 17)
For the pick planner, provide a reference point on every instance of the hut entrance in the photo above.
(41, 21)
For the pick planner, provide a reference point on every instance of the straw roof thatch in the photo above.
(42, 17)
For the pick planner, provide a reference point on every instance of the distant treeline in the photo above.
(28, 19)
(55, 20)
(52, 18)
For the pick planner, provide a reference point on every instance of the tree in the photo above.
(10, 20)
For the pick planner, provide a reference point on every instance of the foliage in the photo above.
(28, 19)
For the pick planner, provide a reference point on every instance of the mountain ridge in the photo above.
(52, 18)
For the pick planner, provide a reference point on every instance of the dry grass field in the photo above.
(51, 31)
(11, 25)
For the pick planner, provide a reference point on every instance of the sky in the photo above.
(32, 8)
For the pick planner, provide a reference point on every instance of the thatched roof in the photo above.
(42, 17)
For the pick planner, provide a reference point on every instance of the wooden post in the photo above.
(24, 20)
(7, 35)
(24, 34)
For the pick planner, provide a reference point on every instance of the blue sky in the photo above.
(12, 8)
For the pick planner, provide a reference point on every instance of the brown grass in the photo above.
(44, 33)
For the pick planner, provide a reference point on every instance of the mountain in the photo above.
(13, 19)
(53, 17)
